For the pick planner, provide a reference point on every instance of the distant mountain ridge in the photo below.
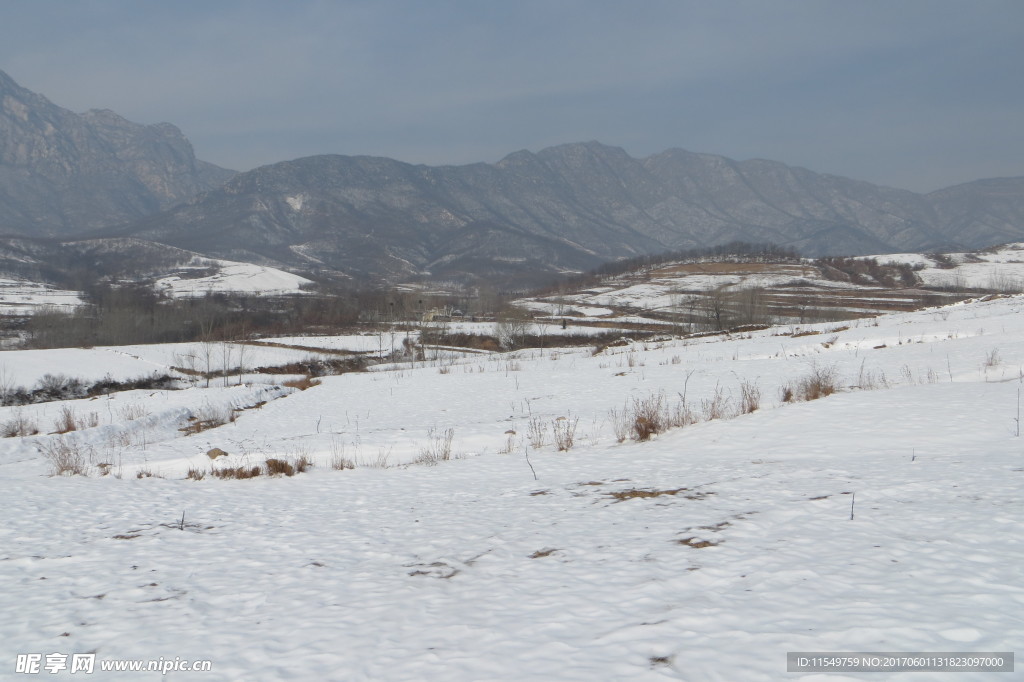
(63, 173)
(563, 208)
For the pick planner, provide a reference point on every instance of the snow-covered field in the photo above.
(1000, 269)
(235, 278)
(705, 553)
(20, 297)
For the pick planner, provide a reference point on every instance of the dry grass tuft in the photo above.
(66, 421)
(18, 426)
(819, 382)
(717, 407)
(438, 448)
(279, 467)
(340, 463)
(649, 416)
(750, 397)
(67, 457)
(564, 430)
(239, 472)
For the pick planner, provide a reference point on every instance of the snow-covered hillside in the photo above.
(704, 553)
(235, 278)
(998, 269)
(21, 297)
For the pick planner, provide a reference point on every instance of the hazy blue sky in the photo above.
(916, 94)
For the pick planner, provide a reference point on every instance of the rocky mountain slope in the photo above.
(530, 215)
(566, 207)
(63, 173)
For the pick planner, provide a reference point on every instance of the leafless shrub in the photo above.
(382, 461)
(66, 457)
(208, 417)
(194, 474)
(717, 407)
(303, 464)
(564, 431)
(66, 421)
(621, 425)
(820, 382)
(750, 397)
(19, 426)
(339, 462)
(992, 358)
(132, 411)
(648, 416)
(537, 432)
(438, 447)
(59, 387)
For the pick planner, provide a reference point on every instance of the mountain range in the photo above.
(565, 208)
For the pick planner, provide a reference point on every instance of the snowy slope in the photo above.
(998, 269)
(21, 297)
(706, 553)
(233, 277)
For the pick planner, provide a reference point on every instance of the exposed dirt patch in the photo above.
(541, 553)
(635, 493)
(697, 544)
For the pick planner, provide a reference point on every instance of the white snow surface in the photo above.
(732, 544)
(234, 277)
(121, 363)
(22, 297)
(1000, 269)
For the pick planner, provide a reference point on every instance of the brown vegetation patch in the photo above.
(541, 553)
(279, 467)
(635, 493)
(240, 472)
(697, 544)
(303, 383)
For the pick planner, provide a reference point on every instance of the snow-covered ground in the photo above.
(705, 553)
(21, 297)
(999, 269)
(235, 278)
(122, 363)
